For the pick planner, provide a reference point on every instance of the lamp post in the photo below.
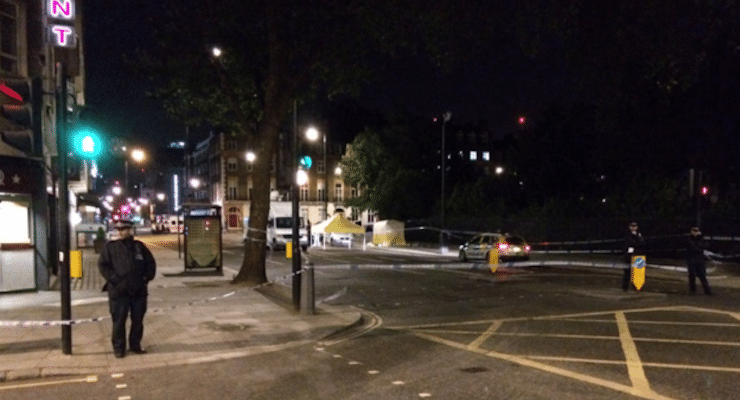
(136, 155)
(312, 134)
(446, 117)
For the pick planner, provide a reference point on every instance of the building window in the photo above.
(353, 192)
(249, 193)
(486, 156)
(250, 167)
(320, 167)
(232, 193)
(9, 37)
(473, 155)
(321, 191)
(304, 193)
(231, 145)
(338, 192)
(231, 164)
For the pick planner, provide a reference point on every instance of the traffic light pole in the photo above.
(63, 206)
(296, 250)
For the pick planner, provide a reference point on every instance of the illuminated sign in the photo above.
(61, 29)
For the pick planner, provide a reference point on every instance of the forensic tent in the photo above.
(337, 224)
(389, 233)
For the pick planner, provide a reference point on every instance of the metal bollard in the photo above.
(308, 306)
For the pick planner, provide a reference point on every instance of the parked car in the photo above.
(510, 247)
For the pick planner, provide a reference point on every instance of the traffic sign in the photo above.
(638, 271)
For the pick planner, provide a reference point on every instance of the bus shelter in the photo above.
(202, 233)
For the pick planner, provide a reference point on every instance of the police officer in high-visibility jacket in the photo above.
(127, 266)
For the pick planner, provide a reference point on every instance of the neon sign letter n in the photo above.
(62, 9)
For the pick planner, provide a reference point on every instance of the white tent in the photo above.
(389, 232)
(337, 224)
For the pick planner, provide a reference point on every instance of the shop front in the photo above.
(18, 223)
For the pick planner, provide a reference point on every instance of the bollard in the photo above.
(75, 264)
(308, 306)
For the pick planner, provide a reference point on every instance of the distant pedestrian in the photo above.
(695, 261)
(127, 266)
(634, 245)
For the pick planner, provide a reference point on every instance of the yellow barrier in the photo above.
(75, 263)
(289, 250)
(493, 259)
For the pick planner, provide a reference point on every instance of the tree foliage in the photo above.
(277, 52)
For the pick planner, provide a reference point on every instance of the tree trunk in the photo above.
(279, 89)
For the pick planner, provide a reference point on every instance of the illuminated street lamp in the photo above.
(194, 183)
(251, 157)
(136, 155)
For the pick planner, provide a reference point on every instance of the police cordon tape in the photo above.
(465, 266)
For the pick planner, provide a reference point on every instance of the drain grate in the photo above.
(474, 370)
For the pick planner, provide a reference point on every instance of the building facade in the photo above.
(219, 172)
(31, 39)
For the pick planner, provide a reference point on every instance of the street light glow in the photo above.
(217, 51)
(301, 177)
(312, 134)
(138, 155)
(194, 183)
(251, 156)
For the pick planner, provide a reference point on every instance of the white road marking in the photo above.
(87, 379)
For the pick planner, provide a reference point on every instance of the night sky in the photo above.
(497, 87)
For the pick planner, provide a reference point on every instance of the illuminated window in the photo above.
(304, 193)
(473, 155)
(486, 156)
(231, 164)
(320, 167)
(338, 192)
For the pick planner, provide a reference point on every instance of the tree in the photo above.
(391, 185)
(276, 52)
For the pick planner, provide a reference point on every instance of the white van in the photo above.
(280, 226)
(173, 226)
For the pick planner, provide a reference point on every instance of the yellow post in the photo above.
(638, 271)
(289, 250)
(493, 258)
(75, 264)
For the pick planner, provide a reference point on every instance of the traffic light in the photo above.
(305, 162)
(85, 136)
(20, 124)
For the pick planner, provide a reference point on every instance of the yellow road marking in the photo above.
(487, 334)
(87, 379)
(547, 368)
(634, 364)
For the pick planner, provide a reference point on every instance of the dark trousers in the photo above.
(698, 269)
(626, 278)
(119, 311)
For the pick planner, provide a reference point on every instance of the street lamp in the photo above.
(136, 155)
(312, 134)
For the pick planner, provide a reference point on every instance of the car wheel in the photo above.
(463, 257)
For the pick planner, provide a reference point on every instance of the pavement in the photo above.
(193, 317)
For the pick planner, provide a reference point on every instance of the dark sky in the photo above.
(494, 87)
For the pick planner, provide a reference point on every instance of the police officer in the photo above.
(127, 266)
(634, 245)
(695, 261)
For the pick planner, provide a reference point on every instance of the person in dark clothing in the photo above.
(634, 245)
(127, 266)
(695, 261)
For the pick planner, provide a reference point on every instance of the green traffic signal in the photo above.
(86, 142)
(305, 162)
